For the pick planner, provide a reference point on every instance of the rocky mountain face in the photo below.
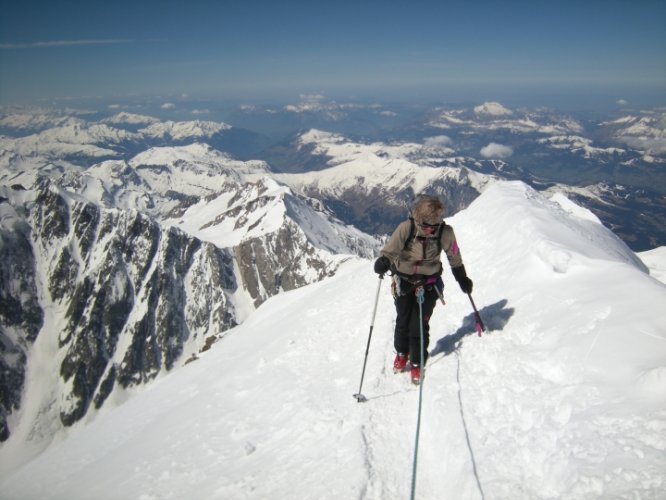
(117, 296)
(114, 273)
(20, 312)
(110, 298)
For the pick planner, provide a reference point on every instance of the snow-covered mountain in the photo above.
(163, 180)
(539, 146)
(21, 122)
(372, 185)
(130, 245)
(179, 131)
(562, 397)
(493, 116)
(82, 142)
(130, 268)
(645, 131)
(105, 300)
(77, 141)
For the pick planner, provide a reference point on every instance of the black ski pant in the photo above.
(407, 337)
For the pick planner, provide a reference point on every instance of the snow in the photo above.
(563, 397)
(492, 109)
(579, 144)
(645, 133)
(489, 117)
(124, 118)
(342, 150)
(655, 259)
(574, 209)
(179, 131)
(373, 166)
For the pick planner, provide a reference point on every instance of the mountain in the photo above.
(561, 397)
(631, 213)
(163, 180)
(615, 167)
(131, 268)
(19, 122)
(106, 299)
(644, 132)
(121, 136)
(131, 244)
(372, 185)
(616, 161)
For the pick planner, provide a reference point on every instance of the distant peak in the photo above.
(492, 109)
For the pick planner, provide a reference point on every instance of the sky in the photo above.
(561, 397)
(256, 49)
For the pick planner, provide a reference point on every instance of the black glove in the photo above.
(382, 264)
(460, 275)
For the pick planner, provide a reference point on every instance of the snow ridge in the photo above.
(561, 398)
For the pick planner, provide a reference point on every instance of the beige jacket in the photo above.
(421, 257)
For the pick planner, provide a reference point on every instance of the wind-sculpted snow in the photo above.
(562, 397)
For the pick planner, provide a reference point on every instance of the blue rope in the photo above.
(419, 299)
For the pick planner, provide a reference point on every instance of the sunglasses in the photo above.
(429, 226)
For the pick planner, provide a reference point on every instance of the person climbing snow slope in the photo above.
(412, 255)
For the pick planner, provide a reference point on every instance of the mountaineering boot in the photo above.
(415, 373)
(399, 363)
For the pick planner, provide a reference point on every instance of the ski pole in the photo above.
(360, 398)
(479, 323)
(440, 290)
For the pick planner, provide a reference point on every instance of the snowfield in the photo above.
(563, 397)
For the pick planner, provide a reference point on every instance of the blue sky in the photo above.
(258, 50)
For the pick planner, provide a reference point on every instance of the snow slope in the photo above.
(562, 398)
(655, 259)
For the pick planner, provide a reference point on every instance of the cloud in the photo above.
(494, 150)
(438, 141)
(622, 102)
(64, 43)
(200, 111)
(649, 145)
(168, 105)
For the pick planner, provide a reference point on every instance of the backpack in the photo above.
(412, 234)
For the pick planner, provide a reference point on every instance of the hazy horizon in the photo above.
(566, 54)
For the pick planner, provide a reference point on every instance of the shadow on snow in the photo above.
(495, 317)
